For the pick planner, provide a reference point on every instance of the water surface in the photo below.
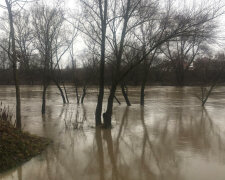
(171, 138)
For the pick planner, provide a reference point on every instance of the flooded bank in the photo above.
(171, 138)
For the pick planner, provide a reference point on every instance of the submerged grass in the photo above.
(16, 147)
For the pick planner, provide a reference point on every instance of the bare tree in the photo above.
(74, 67)
(24, 36)
(13, 56)
(181, 53)
(103, 8)
(146, 69)
(95, 26)
(64, 42)
(165, 30)
(47, 23)
(127, 11)
(210, 71)
(90, 68)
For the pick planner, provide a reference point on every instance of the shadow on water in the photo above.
(178, 142)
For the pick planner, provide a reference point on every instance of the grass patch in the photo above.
(17, 147)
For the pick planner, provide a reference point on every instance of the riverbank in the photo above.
(17, 147)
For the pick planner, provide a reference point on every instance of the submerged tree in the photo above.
(135, 13)
(47, 22)
(94, 26)
(14, 58)
(210, 71)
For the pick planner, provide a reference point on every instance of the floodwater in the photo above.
(171, 138)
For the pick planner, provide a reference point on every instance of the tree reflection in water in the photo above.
(140, 147)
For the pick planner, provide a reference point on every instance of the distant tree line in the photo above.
(201, 71)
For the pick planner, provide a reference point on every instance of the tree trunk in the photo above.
(143, 84)
(13, 57)
(117, 100)
(83, 95)
(98, 111)
(77, 94)
(60, 90)
(206, 95)
(107, 116)
(18, 102)
(142, 99)
(64, 87)
(44, 99)
(124, 92)
(145, 78)
(180, 80)
(180, 76)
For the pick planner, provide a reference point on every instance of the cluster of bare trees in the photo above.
(37, 37)
(120, 35)
(128, 33)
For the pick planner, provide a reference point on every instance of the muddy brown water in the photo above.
(171, 138)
